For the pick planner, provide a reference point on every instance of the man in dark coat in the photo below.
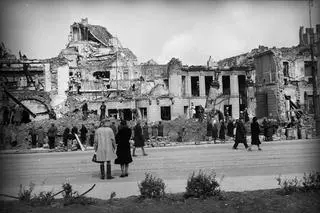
(241, 136)
(52, 133)
(66, 137)
(123, 148)
(160, 129)
(255, 131)
(138, 139)
(83, 134)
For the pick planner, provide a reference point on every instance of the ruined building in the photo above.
(32, 84)
(284, 79)
(95, 68)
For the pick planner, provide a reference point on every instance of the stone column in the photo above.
(234, 84)
(202, 85)
(175, 84)
(234, 95)
(47, 78)
(188, 86)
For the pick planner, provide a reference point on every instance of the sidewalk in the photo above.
(171, 144)
(103, 188)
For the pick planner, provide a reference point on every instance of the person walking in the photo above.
(138, 139)
(52, 133)
(123, 148)
(222, 132)
(160, 129)
(83, 134)
(240, 134)
(104, 146)
(255, 131)
(102, 111)
(145, 130)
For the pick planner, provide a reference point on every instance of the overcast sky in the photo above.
(189, 30)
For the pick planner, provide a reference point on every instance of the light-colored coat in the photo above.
(104, 142)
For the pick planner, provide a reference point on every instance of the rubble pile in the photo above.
(185, 130)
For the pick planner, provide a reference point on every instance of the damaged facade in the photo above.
(95, 68)
(284, 80)
(32, 84)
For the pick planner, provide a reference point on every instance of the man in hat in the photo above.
(105, 145)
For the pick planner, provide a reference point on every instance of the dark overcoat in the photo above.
(240, 133)
(255, 131)
(209, 129)
(123, 146)
(222, 132)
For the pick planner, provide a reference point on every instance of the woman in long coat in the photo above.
(255, 131)
(138, 139)
(123, 148)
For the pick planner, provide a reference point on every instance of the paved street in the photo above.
(242, 170)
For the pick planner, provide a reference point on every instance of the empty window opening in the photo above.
(143, 112)
(226, 85)
(166, 82)
(286, 69)
(242, 91)
(195, 86)
(308, 68)
(113, 113)
(208, 81)
(127, 114)
(165, 113)
(101, 74)
(185, 110)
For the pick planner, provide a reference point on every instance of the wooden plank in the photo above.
(79, 142)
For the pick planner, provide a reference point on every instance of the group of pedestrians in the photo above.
(113, 144)
(241, 134)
